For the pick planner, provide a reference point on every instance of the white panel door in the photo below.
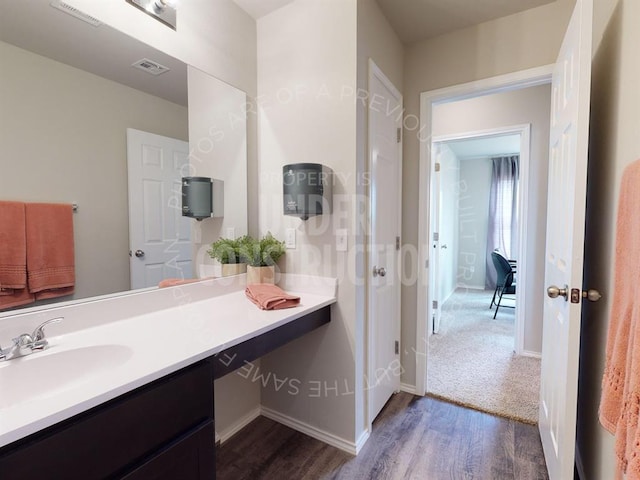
(569, 138)
(159, 236)
(384, 277)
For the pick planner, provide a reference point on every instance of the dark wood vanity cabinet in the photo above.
(163, 430)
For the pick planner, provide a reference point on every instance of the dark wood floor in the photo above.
(413, 438)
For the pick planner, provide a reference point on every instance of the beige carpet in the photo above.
(471, 359)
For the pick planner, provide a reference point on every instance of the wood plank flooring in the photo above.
(413, 438)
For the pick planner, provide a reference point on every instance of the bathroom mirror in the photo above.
(68, 92)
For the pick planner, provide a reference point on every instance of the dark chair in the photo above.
(506, 283)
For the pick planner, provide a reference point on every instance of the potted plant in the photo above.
(228, 252)
(261, 257)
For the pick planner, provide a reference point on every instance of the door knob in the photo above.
(139, 253)
(591, 295)
(379, 271)
(555, 292)
(444, 246)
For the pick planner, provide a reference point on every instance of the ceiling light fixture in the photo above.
(162, 10)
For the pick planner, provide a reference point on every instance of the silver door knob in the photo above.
(591, 295)
(555, 292)
(139, 253)
(379, 271)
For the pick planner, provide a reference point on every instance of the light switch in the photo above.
(290, 239)
(341, 240)
(231, 233)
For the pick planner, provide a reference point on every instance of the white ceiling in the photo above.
(36, 26)
(485, 146)
(415, 20)
(260, 8)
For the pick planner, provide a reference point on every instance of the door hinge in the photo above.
(398, 243)
(399, 135)
(437, 167)
(435, 304)
(426, 264)
(436, 236)
(397, 347)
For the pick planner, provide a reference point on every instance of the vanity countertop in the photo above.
(87, 367)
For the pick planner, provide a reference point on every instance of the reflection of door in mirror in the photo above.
(159, 236)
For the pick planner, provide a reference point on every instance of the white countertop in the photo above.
(84, 368)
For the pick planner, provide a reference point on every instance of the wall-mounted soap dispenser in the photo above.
(202, 197)
(307, 189)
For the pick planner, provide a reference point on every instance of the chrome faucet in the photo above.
(26, 344)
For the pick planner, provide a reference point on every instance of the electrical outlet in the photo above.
(290, 238)
(231, 233)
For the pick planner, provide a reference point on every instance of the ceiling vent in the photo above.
(74, 12)
(149, 66)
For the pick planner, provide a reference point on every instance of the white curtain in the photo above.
(502, 232)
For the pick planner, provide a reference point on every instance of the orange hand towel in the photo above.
(270, 297)
(620, 401)
(50, 250)
(174, 282)
(13, 256)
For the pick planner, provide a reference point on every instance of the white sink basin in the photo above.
(43, 373)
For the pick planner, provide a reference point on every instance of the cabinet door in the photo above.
(190, 458)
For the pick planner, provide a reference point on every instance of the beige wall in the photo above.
(517, 107)
(615, 117)
(306, 56)
(517, 42)
(475, 180)
(63, 137)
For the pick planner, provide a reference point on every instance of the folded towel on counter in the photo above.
(50, 249)
(270, 297)
(13, 256)
(174, 282)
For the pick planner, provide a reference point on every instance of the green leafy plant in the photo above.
(227, 250)
(263, 252)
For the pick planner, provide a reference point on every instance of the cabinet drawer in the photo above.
(192, 457)
(116, 435)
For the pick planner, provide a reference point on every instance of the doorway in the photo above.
(477, 187)
(527, 343)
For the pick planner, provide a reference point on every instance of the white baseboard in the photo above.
(364, 436)
(314, 432)
(405, 387)
(229, 432)
(529, 353)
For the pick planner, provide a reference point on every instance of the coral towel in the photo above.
(270, 297)
(620, 401)
(13, 256)
(50, 251)
(174, 282)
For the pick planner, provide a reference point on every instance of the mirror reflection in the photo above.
(68, 94)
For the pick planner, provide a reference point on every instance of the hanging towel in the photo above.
(270, 297)
(620, 401)
(50, 251)
(13, 256)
